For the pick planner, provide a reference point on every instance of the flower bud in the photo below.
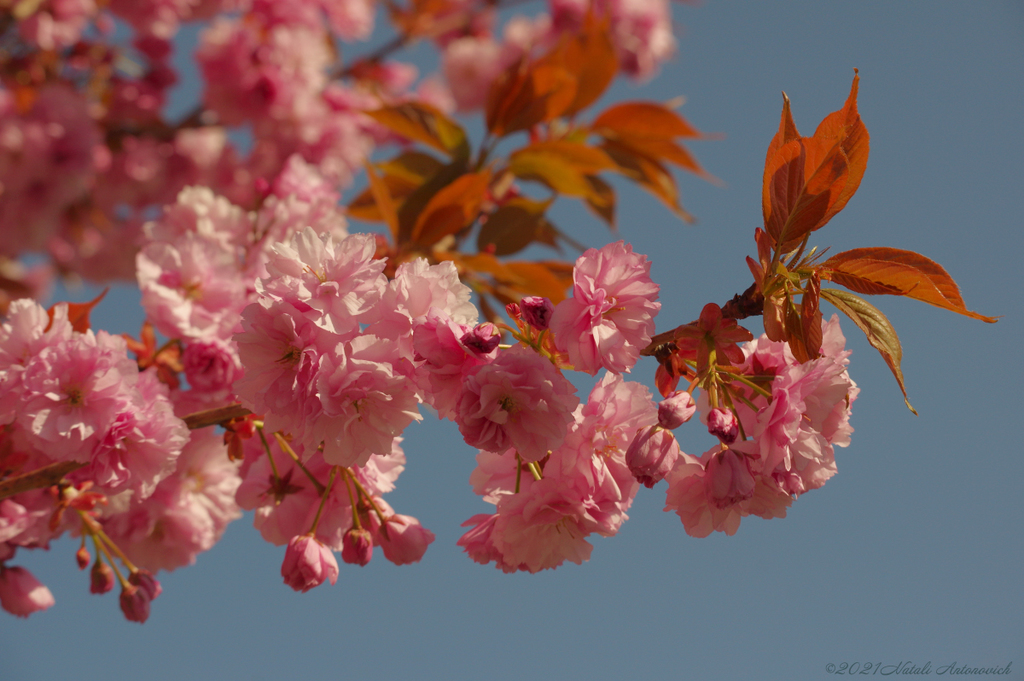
(483, 339)
(651, 455)
(727, 479)
(723, 425)
(676, 409)
(308, 563)
(357, 547)
(142, 589)
(513, 311)
(21, 594)
(101, 578)
(82, 557)
(405, 540)
(537, 311)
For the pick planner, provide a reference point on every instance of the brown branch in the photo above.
(750, 303)
(211, 417)
(38, 479)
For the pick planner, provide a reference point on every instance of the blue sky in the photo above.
(911, 553)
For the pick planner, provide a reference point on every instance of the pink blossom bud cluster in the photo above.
(790, 438)
(161, 493)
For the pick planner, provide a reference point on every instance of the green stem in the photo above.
(323, 501)
(352, 499)
(266, 447)
(287, 448)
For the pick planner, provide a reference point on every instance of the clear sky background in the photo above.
(913, 552)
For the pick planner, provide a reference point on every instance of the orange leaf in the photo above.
(423, 123)
(897, 272)
(536, 278)
(528, 94)
(451, 209)
(78, 313)
(876, 327)
(601, 200)
(590, 55)
(512, 227)
(807, 180)
(642, 120)
(810, 316)
(649, 174)
(382, 199)
(562, 166)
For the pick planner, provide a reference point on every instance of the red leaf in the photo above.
(807, 180)
(78, 313)
(891, 271)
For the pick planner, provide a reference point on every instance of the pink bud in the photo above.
(651, 455)
(82, 557)
(101, 578)
(357, 547)
(308, 563)
(405, 540)
(513, 311)
(676, 409)
(21, 593)
(537, 311)
(727, 479)
(142, 589)
(145, 580)
(723, 425)
(483, 339)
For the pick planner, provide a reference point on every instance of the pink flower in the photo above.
(536, 311)
(192, 288)
(308, 564)
(21, 593)
(676, 409)
(333, 282)
(727, 479)
(405, 541)
(365, 403)
(610, 317)
(211, 365)
(188, 512)
(651, 455)
(72, 392)
(710, 495)
(445, 358)
(722, 424)
(281, 351)
(808, 414)
(520, 400)
(357, 547)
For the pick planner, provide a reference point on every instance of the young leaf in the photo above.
(78, 313)
(601, 200)
(891, 271)
(451, 209)
(590, 55)
(528, 94)
(424, 123)
(382, 198)
(642, 120)
(807, 180)
(512, 227)
(649, 174)
(562, 166)
(876, 327)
